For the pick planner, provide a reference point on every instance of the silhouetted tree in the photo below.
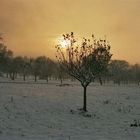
(83, 62)
(5, 57)
(119, 70)
(42, 67)
(15, 66)
(35, 67)
(25, 67)
(46, 68)
(136, 73)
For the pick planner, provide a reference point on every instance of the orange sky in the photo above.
(30, 27)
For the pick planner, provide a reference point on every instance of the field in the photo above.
(41, 111)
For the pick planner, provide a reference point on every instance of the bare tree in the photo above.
(83, 62)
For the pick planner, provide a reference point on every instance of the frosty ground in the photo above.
(41, 111)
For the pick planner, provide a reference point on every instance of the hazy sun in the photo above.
(64, 43)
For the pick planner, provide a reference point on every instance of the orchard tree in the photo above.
(5, 57)
(136, 73)
(42, 67)
(35, 67)
(46, 68)
(15, 66)
(84, 62)
(25, 67)
(119, 70)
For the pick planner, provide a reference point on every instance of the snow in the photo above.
(30, 111)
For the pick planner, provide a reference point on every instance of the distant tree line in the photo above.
(42, 67)
(121, 72)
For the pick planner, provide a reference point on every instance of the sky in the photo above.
(32, 27)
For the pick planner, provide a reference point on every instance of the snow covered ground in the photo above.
(42, 112)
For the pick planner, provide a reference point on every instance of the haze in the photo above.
(31, 27)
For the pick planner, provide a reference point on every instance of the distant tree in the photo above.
(5, 57)
(46, 68)
(15, 66)
(25, 67)
(35, 67)
(61, 73)
(42, 67)
(136, 73)
(3, 51)
(8, 61)
(119, 70)
(83, 62)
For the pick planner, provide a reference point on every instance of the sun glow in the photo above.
(64, 43)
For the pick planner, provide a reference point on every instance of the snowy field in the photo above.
(42, 111)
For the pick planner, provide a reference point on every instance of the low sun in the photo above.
(64, 43)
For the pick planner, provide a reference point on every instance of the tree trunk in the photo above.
(85, 99)
(24, 77)
(47, 79)
(35, 78)
(100, 80)
(15, 75)
(61, 81)
(12, 76)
